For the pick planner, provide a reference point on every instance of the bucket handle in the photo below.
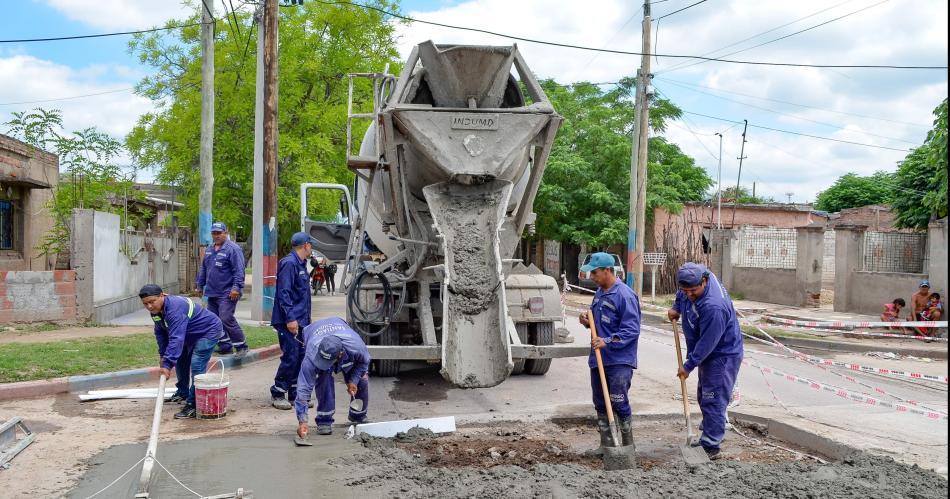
(215, 360)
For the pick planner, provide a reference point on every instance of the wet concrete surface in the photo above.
(268, 465)
(420, 384)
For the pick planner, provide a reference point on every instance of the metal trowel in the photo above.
(692, 455)
(302, 441)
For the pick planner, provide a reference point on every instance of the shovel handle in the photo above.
(600, 369)
(679, 360)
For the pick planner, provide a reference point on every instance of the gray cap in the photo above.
(691, 274)
(328, 350)
(299, 239)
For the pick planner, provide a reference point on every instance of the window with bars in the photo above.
(765, 247)
(9, 226)
(894, 252)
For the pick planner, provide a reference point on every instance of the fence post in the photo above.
(937, 266)
(81, 258)
(849, 258)
(809, 255)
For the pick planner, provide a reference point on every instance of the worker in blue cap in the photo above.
(221, 280)
(713, 344)
(291, 314)
(186, 335)
(332, 347)
(616, 311)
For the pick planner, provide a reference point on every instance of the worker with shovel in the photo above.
(331, 347)
(186, 334)
(713, 344)
(291, 314)
(616, 312)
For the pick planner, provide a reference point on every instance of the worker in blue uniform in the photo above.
(713, 344)
(291, 314)
(332, 347)
(616, 311)
(186, 334)
(221, 280)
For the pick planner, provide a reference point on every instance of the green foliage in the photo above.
(89, 178)
(584, 195)
(852, 191)
(921, 179)
(744, 196)
(319, 45)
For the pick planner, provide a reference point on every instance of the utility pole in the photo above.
(259, 307)
(753, 190)
(638, 164)
(719, 187)
(789, 194)
(206, 152)
(735, 201)
(269, 239)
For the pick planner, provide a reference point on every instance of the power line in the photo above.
(626, 52)
(797, 133)
(67, 98)
(832, 125)
(795, 103)
(680, 10)
(100, 35)
(611, 39)
(796, 32)
(733, 44)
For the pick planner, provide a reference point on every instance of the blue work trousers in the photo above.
(326, 399)
(192, 361)
(618, 384)
(291, 355)
(717, 377)
(224, 307)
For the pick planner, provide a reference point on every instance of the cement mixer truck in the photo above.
(446, 176)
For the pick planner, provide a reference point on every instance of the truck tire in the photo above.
(522, 329)
(540, 333)
(387, 367)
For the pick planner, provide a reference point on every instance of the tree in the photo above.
(89, 177)
(319, 45)
(584, 195)
(852, 190)
(921, 180)
(743, 197)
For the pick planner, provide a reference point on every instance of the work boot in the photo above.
(626, 431)
(324, 430)
(241, 352)
(281, 403)
(187, 412)
(603, 426)
(714, 454)
(177, 398)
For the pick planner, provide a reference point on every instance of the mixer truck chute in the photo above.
(446, 179)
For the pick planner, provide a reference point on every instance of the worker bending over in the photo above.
(616, 311)
(186, 334)
(332, 347)
(713, 344)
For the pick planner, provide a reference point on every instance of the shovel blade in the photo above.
(623, 457)
(694, 455)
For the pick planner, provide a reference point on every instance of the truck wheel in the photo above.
(386, 367)
(522, 329)
(540, 333)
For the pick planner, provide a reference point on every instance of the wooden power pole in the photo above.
(638, 164)
(268, 242)
(206, 152)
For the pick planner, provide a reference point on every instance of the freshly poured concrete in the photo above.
(268, 465)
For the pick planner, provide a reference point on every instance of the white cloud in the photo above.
(124, 14)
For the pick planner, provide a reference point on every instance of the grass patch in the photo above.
(36, 327)
(31, 361)
(777, 333)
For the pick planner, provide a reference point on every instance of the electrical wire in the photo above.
(680, 10)
(625, 52)
(611, 39)
(67, 98)
(101, 35)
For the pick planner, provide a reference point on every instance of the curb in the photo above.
(42, 388)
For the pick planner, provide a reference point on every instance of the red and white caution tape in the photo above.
(847, 324)
(854, 396)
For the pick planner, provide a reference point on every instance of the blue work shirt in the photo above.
(182, 322)
(222, 270)
(354, 364)
(709, 324)
(617, 318)
(292, 293)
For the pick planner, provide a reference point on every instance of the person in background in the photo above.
(186, 335)
(221, 280)
(892, 313)
(933, 312)
(918, 301)
(329, 273)
(290, 316)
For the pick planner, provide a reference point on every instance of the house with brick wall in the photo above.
(27, 178)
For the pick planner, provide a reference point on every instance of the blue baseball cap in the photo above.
(599, 260)
(924, 284)
(219, 227)
(299, 239)
(328, 350)
(691, 274)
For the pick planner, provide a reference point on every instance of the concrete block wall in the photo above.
(937, 261)
(765, 285)
(31, 296)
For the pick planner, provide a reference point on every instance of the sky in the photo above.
(890, 109)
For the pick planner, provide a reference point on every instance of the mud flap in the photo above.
(475, 348)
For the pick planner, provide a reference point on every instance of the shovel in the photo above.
(692, 455)
(617, 457)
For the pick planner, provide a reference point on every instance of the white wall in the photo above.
(116, 276)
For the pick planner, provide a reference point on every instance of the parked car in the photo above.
(583, 278)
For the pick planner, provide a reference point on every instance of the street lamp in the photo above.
(719, 187)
